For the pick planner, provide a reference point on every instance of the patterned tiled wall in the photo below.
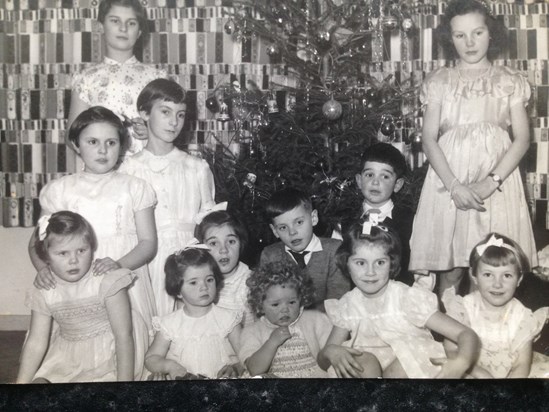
(42, 42)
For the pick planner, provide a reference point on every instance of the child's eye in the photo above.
(112, 142)
(132, 23)
(165, 112)
(300, 222)
(282, 228)
(359, 262)
(274, 305)
(508, 275)
(210, 279)
(113, 20)
(92, 141)
(486, 274)
(212, 243)
(232, 242)
(369, 174)
(382, 262)
(181, 115)
(192, 282)
(292, 302)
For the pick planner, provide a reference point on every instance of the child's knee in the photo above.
(371, 367)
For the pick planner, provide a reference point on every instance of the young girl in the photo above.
(94, 340)
(388, 319)
(200, 337)
(473, 186)
(119, 207)
(116, 82)
(226, 237)
(183, 183)
(505, 327)
(285, 341)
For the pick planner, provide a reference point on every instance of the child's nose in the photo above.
(470, 41)
(102, 148)
(498, 282)
(73, 259)
(123, 27)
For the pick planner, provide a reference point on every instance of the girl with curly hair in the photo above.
(285, 341)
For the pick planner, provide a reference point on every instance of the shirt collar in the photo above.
(313, 246)
(386, 209)
(131, 60)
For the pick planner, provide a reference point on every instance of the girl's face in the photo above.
(99, 147)
(281, 305)
(199, 286)
(121, 28)
(69, 257)
(224, 246)
(471, 38)
(496, 284)
(370, 268)
(165, 120)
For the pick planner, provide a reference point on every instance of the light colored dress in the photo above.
(474, 119)
(234, 293)
(184, 186)
(391, 326)
(295, 358)
(199, 344)
(116, 86)
(503, 334)
(83, 348)
(109, 202)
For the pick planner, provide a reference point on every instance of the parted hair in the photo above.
(285, 200)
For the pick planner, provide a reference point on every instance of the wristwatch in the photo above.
(496, 178)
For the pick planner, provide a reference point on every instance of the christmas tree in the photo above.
(311, 134)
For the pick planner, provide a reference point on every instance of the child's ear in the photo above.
(75, 147)
(274, 230)
(314, 217)
(144, 115)
(398, 184)
(473, 277)
(358, 179)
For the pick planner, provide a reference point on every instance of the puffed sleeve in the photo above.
(529, 328)
(432, 88)
(454, 306)
(522, 92)
(161, 325)
(336, 311)
(50, 196)
(78, 85)
(227, 320)
(114, 281)
(419, 305)
(143, 195)
(250, 341)
(206, 184)
(34, 300)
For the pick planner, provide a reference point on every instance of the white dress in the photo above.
(184, 186)
(199, 344)
(109, 202)
(503, 334)
(116, 86)
(234, 293)
(391, 326)
(82, 349)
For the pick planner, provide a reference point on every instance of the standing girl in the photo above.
(200, 338)
(94, 341)
(119, 207)
(505, 327)
(227, 237)
(473, 186)
(183, 183)
(389, 323)
(285, 341)
(116, 82)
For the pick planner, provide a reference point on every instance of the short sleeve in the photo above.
(207, 186)
(529, 328)
(160, 325)
(78, 85)
(336, 310)
(419, 305)
(34, 300)
(522, 92)
(50, 196)
(143, 195)
(453, 304)
(114, 281)
(432, 88)
(227, 320)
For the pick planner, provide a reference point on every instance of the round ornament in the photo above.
(229, 27)
(371, 95)
(407, 24)
(332, 109)
(387, 128)
(272, 50)
(389, 22)
(212, 105)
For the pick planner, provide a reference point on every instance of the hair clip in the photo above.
(486, 6)
(43, 224)
(493, 241)
(218, 207)
(192, 244)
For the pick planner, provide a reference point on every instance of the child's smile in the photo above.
(496, 284)
(370, 268)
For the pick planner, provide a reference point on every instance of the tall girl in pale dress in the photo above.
(183, 183)
(120, 209)
(473, 185)
(505, 327)
(94, 341)
(116, 82)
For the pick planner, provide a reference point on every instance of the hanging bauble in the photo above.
(371, 95)
(324, 40)
(250, 180)
(407, 24)
(272, 105)
(387, 128)
(272, 50)
(212, 105)
(389, 22)
(332, 109)
(229, 26)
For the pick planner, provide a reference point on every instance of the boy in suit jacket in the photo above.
(292, 219)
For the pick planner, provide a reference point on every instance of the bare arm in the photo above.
(156, 362)
(340, 357)
(119, 312)
(523, 364)
(235, 369)
(35, 346)
(260, 361)
(476, 371)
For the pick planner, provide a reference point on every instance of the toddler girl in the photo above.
(94, 339)
(200, 338)
(285, 341)
(226, 237)
(119, 207)
(473, 185)
(505, 327)
(389, 323)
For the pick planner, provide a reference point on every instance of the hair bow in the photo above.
(493, 241)
(43, 224)
(373, 220)
(218, 207)
(193, 244)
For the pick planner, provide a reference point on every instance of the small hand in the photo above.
(140, 129)
(175, 370)
(450, 368)
(102, 266)
(485, 188)
(343, 360)
(44, 279)
(280, 335)
(465, 198)
(231, 371)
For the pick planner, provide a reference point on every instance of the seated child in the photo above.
(286, 340)
(200, 338)
(93, 341)
(389, 323)
(292, 218)
(506, 328)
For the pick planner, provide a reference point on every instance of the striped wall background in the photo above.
(43, 42)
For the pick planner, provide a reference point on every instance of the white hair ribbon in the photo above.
(193, 244)
(43, 224)
(218, 207)
(373, 220)
(493, 241)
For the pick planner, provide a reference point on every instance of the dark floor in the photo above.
(10, 349)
